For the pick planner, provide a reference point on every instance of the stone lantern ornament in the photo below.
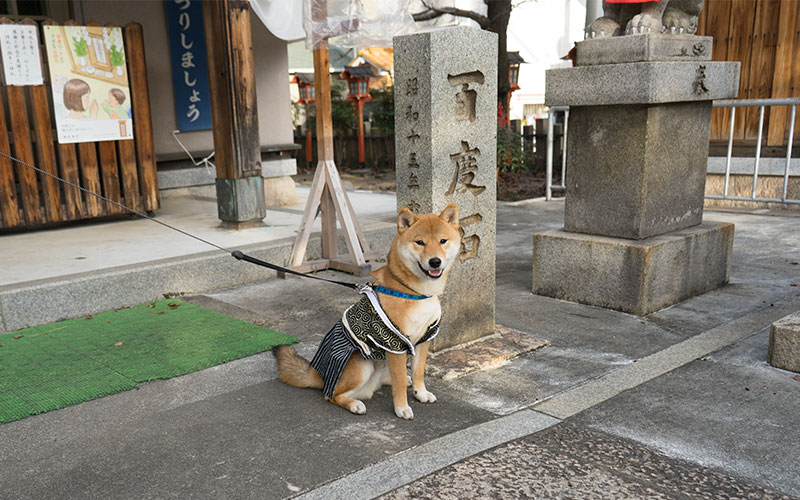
(634, 238)
(646, 16)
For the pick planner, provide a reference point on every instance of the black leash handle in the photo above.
(238, 255)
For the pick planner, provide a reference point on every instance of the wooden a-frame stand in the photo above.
(327, 193)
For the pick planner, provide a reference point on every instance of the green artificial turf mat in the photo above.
(48, 367)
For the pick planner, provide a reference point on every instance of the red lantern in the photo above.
(358, 87)
(305, 86)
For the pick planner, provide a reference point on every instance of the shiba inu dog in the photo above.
(398, 314)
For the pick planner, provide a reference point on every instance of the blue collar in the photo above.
(395, 293)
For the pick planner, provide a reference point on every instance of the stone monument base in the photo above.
(633, 276)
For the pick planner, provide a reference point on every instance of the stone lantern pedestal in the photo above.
(640, 113)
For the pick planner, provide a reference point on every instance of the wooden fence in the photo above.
(378, 151)
(123, 171)
(765, 36)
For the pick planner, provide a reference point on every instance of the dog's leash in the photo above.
(237, 254)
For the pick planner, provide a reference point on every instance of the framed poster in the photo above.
(91, 95)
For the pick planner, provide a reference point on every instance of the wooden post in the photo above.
(360, 111)
(142, 118)
(309, 153)
(240, 187)
(326, 192)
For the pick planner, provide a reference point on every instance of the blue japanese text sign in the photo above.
(187, 47)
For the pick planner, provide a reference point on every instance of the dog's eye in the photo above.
(442, 241)
(420, 243)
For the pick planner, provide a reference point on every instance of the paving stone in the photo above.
(486, 353)
(567, 461)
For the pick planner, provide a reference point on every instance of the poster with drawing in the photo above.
(91, 96)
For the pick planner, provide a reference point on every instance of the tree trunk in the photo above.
(499, 12)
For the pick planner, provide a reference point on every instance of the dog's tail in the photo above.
(294, 370)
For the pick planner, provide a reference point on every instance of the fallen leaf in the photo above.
(173, 305)
(763, 387)
(80, 258)
(2, 344)
(797, 377)
(303, 299)
(89, 317)
(117, 344)
(794, 262)
(794, 284)
(18, 336)
(166, 296)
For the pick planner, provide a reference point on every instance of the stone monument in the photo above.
(640, 113)
(445, 150)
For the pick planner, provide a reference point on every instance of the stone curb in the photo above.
(71, 296)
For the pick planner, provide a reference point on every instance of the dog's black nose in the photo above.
(435, 262)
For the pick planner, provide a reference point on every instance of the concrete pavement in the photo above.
(677, 404)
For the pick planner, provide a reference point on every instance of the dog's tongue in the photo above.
(435, 272)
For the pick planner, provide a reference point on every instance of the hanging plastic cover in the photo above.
(356, 23)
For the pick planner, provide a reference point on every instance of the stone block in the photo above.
(279, 191)
(637, 277)
(445, 142)
(636, 171)
(241, 200)
(642, 48)
(641, 83)
(280, 167)
(784, 343)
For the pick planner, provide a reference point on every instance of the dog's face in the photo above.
(428, 245)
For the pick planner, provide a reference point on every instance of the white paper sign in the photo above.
(20, 47)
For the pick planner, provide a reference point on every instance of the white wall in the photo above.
(542, 31)
(272, 66)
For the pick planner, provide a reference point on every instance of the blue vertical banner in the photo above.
(187, 47)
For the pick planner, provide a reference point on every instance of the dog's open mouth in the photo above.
(433, 273)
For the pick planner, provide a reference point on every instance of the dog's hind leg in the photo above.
(356, 374)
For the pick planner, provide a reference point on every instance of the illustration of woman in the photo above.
(77, 99)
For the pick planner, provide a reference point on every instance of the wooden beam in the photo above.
(231, 65)
(142, 118)
(326, 189)
(234, 112)
(785, 54)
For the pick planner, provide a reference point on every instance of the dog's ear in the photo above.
(405, 219)
(450, 215)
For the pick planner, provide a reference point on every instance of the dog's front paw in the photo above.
(358, 407)
(404, 412)
(425, 396)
